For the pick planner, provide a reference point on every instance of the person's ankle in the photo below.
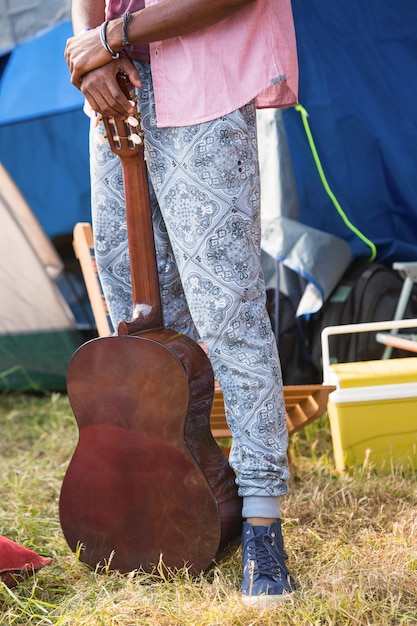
(261, 521)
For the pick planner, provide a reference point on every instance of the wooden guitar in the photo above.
(147, 482)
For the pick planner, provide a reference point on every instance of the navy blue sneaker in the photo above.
(266, 579)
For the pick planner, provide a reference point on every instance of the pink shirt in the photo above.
(202, 76)
(116, 8)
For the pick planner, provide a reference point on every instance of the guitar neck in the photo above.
(146, 301)
(126, 140)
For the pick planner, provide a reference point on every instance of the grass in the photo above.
(351, 540)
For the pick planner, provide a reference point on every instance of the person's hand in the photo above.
(83, 53)
(102, 91)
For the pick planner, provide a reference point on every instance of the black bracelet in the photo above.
(126, 19)
(103, 28)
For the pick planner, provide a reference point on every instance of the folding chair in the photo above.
(393, 340)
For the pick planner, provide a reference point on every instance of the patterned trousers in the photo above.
(205, 198)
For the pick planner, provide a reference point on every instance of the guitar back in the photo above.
(147, 479)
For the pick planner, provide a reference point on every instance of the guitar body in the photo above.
(147, 480)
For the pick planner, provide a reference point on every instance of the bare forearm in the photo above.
(172, 18)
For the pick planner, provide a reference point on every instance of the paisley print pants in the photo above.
(205, 198)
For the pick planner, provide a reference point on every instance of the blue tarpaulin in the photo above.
(358, 85)
(44, 132)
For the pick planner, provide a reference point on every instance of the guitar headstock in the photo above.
(125, 136)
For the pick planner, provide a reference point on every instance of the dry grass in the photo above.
(352, 541)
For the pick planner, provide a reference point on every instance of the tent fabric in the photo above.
(357, 64)
(44, 147)
(278, 189)
(38, 332)
(21, 20)
(16, 209)
(302, 270)
(29, 299)
(44, 133)
(36, 80)
(48, 160)
(37, 361)
(319, 258)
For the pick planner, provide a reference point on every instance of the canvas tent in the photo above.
(38, 332)
(44, 190)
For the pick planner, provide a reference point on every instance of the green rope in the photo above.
(368, 242)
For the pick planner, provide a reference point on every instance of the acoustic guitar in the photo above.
(147, 483)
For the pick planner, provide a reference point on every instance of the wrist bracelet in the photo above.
(126, 19)
(103, 28)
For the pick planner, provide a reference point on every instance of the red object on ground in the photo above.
(17, 562)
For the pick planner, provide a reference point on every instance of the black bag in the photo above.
(368, 292)
(296, 363)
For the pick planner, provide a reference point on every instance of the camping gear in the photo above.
(147, 480)
(367, 292)
(38, 332)
(83, 244)
(372, 411)
(44, 168)
(408, 272)
(44, 132)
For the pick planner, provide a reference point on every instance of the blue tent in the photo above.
(43, 132)
(357, 84)
(43, 147)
